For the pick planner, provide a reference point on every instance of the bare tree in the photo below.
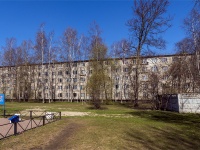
(147, 23)
(185, 46)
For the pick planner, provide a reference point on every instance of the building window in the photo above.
(126, 86)
(82, 71)
(154, 60)
(53, 73)
(67, 86)
(74, 71)
(165, 77)
(116, 86)
(125, 61)
(90, 72)
(126, 69)
(59, 94)
(126, 95)
(81, 87)
(82, 79)
(74, 79)
(164, 60)
(74, 94)
(74, 87)
(74, 64)
(60, 80)
(144, 61)
(145, 86)
(67, 94)
(82, 64)
(46, 73)
(175, 85)
(154, 68)
(67, 65)
(117, 78)
(46, 80)
(60, 87)
(82, 94)
(144, 69)
(67, 72)
(175, 59)
(60, 73)
(39, 94)
(144, 77)
(134, 61)
(68, 80)
(187, 85)
(117, 94)
(145, 95)
(164, 68)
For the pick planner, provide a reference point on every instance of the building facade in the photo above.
(67, 81)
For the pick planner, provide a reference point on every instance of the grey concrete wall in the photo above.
(189, 103)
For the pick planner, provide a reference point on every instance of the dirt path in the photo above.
(61, 141)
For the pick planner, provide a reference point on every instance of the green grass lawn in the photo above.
(113, 127)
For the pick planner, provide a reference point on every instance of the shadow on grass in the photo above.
(142, 106)
(170, 117)
(93, 108)
(156, 138)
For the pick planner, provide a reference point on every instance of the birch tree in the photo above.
(71, 51)
(24, 76)
(192, 26)
(10, 58)
(98, 83)
(41, 56)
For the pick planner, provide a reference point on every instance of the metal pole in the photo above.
(31, 114)
(4, 113)
(15, 128)
(43, 118)
(31, 118)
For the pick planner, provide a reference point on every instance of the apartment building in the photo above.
(66, 81)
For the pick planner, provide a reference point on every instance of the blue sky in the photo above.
(21, 19)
